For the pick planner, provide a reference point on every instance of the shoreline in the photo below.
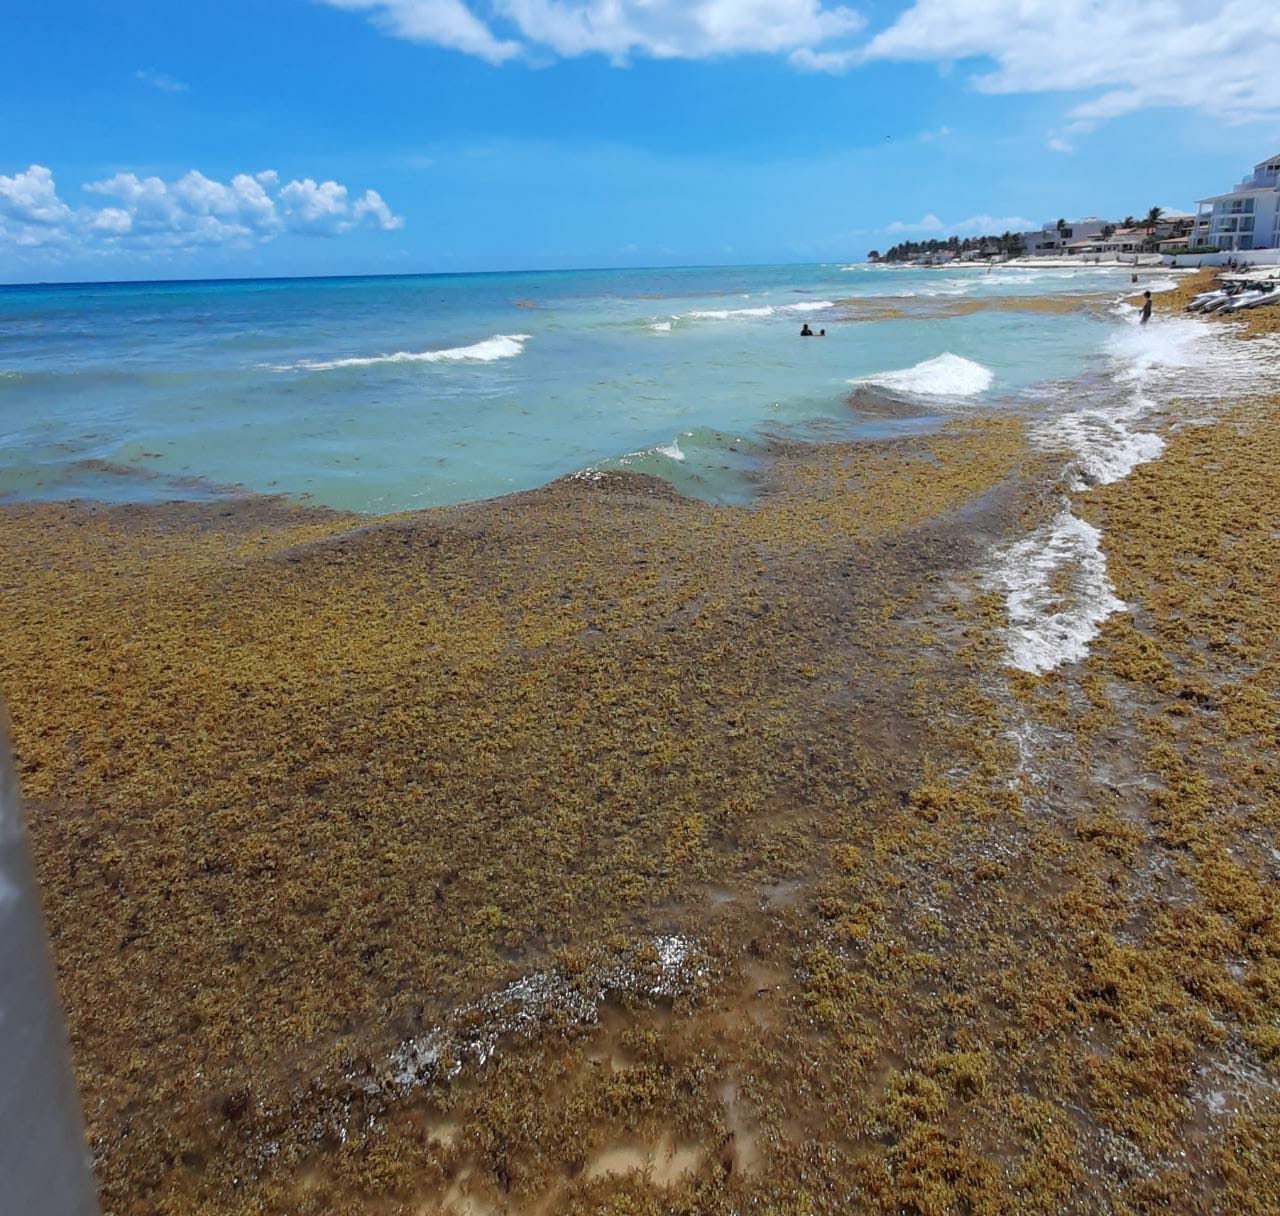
(455, 781)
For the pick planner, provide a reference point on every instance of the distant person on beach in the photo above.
(1146, 308)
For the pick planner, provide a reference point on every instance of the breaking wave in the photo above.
(728, 314)
(947, 375)
(500, 346)
(763, 310)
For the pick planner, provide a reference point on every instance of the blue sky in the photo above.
(146, 139)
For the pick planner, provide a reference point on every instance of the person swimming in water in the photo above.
(806, 332)
(1146, 308)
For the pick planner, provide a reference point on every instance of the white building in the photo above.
(1052, 241)
(1246, 218)
(1122, 242)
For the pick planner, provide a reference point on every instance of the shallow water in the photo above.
(384, 394)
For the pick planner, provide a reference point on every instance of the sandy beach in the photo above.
(596, 849)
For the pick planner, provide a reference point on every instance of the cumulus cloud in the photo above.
(1217, 56)
(31, 213)
(619, 29)
(149, 213)
(977, 225)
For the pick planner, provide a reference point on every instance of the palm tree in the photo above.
(1128, 222)
(1108, 231)
(1149, 222)
(1061, 226)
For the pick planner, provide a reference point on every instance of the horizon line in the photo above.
(408, 274)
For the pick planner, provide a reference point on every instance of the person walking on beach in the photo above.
(1146, 308)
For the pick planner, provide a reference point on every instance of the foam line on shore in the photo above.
(1047, 627)
(1055, 583)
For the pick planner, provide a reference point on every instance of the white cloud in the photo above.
(150, 214)
(371, 204)
(834, 63)
(990, 225)
(677, 29)
(976, 225)
(447, 23)
(1217, 56)
(31, 213)
(930, 223)
(323, 210)
(619, 29)
(32, 198)
(158, 80)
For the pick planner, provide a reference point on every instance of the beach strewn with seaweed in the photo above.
(897, 833)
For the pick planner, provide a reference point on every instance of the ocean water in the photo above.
(386, 394)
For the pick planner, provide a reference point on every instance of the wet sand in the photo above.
(595, 850)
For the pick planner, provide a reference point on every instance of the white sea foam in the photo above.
(1056, 592)
(671, 450)
(808, 306)
(1105, 445)
(666, 966)
(729, 314)
(660, 327)
(500, 346)
(946, 375)
(1151, 367)
(762, 310)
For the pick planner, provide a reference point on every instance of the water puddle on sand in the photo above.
(741, 1153)
(444, 1132)
(662, 1165)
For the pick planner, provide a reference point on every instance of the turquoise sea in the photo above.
(389, 393)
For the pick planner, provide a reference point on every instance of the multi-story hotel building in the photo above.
(1246, 218)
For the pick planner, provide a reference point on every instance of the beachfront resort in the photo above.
(1244, 219)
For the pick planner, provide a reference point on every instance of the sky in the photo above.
(147, 139)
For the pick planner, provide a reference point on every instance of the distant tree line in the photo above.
(1008, 244)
